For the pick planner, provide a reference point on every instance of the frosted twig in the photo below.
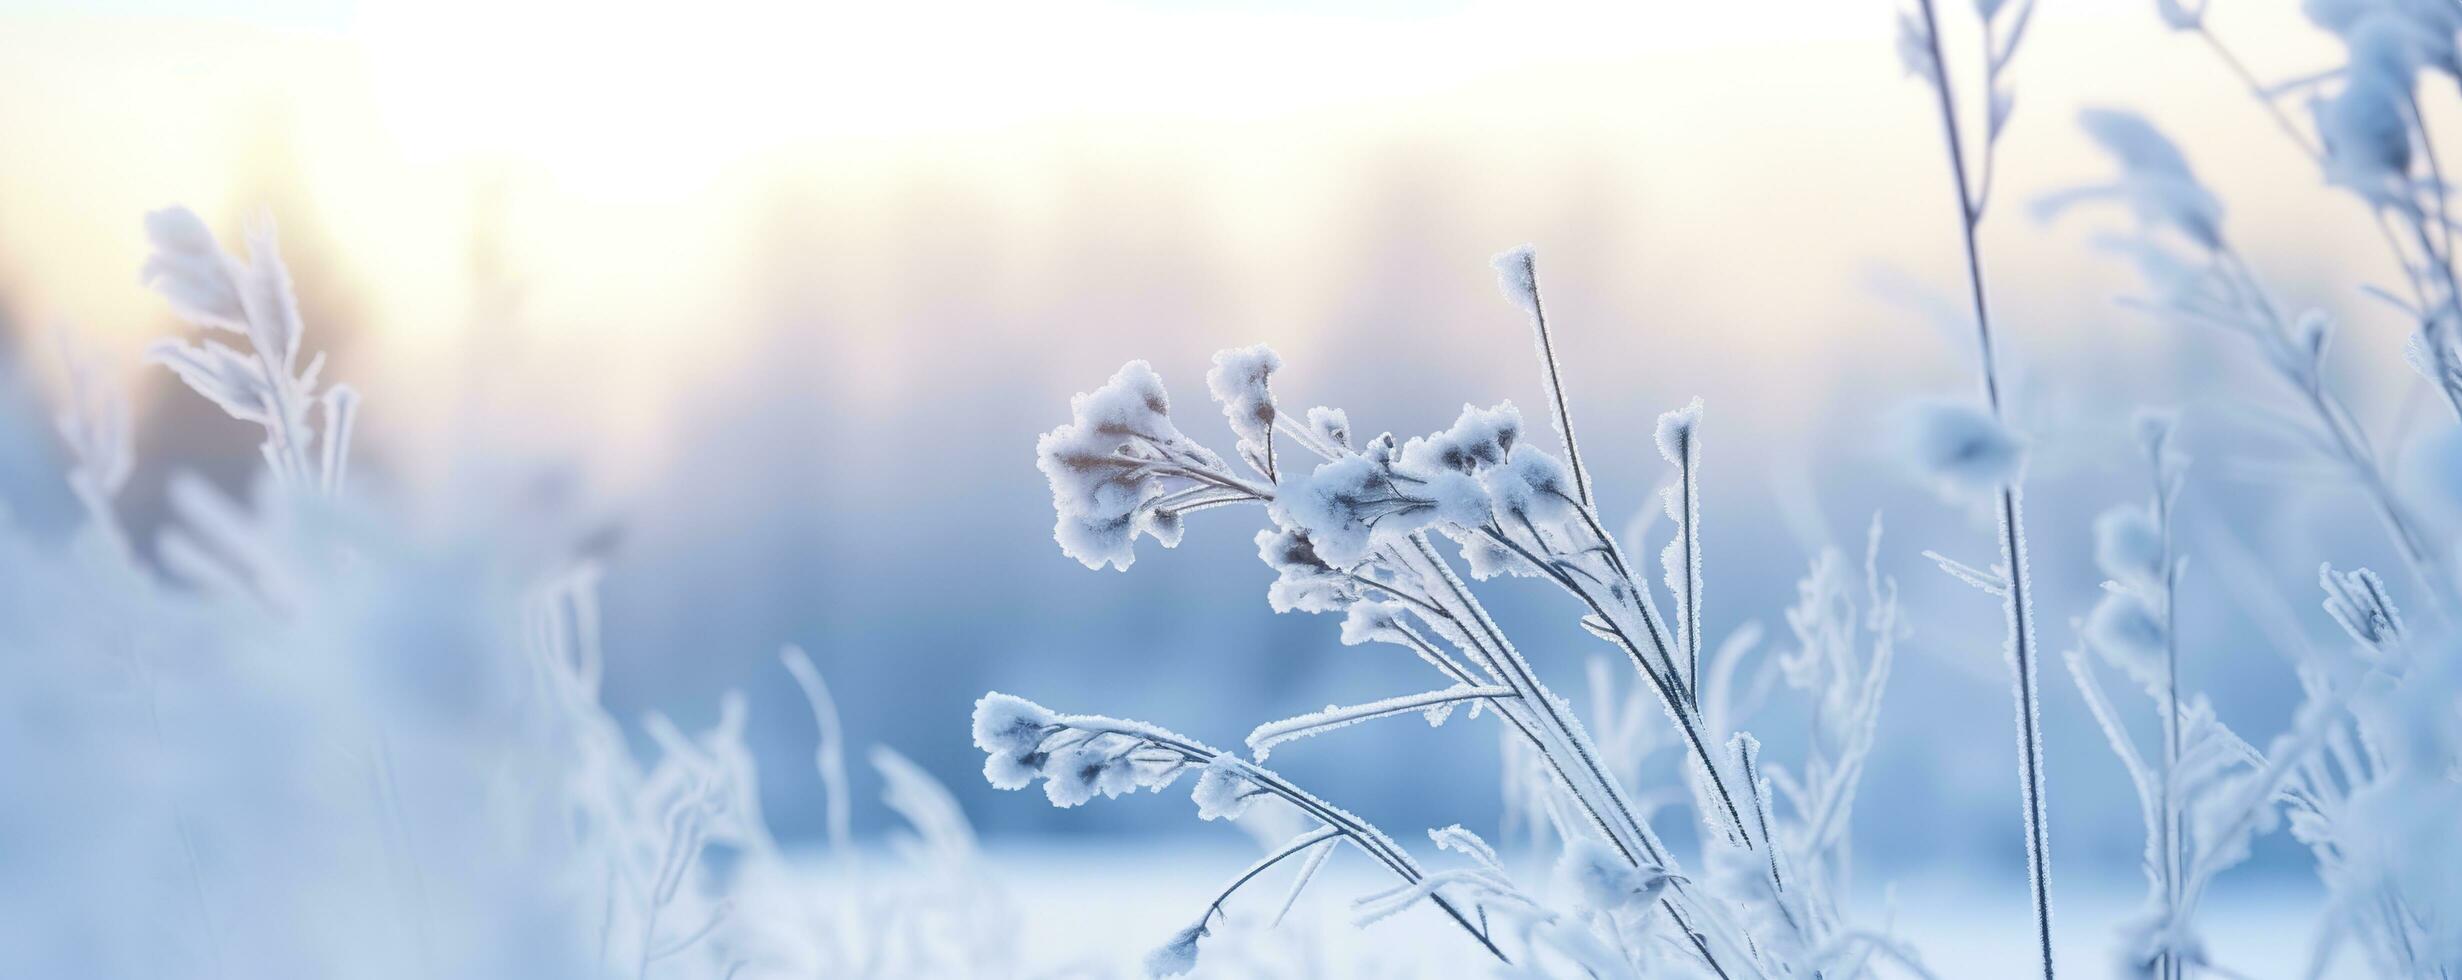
(1262, 741)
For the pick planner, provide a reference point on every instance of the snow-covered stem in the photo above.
(2017, 612)
(1262, 740)
(2165, 490)
(1297, 844)
(1520, 269)
(1680, 444)
(829, 751)
(1015, 732)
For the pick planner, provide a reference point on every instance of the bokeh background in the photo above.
(775, 298)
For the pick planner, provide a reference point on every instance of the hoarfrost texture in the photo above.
(315, 742)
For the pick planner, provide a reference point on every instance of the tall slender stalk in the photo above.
(2015, 605)
(2170, 830)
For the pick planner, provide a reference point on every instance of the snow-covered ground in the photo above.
(1093, 908)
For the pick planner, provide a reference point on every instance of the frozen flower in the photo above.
(1351, 505)
(1110, 465)
(1176, 957)
(1239, 381)
(2128, 546)
(1005, 723)
(1530, 486)
(1302, 581)
(1603, 880)
(1223, 792)
(1120, 776)
(1005, 770)
(1331, 425)
(1480, 437)
(1074, 774)
(1961, 448)
(1383, 448)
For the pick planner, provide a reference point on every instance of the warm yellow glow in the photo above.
(662, 185)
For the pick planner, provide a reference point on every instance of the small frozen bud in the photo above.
(1131, 403)
(2154, 428)
(2367, 136)
(1961, 448)
(1331, 425)
(1240, 381)
(1383, 449)
(1675, 432)
(1006, 770)
(1480, 437)
(1518, 272)
(1073, 775)
(1530, 486)
(1176, 957)
(2312, 333)
(1106, 471)
(1008, 724)
(1163, 524)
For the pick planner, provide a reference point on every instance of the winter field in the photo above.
(1909, 489)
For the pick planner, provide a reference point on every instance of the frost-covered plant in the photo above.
(336, 749)
(1975, 450)
(2382, 716)
(2196, 278)
(250, 299)
(1362, 528)
(2193, 792)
